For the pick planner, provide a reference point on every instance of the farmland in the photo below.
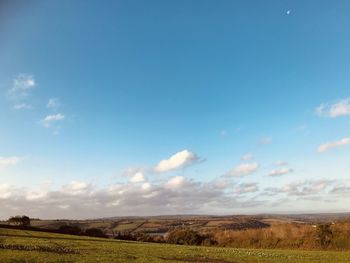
(160, 224)
(28, 246)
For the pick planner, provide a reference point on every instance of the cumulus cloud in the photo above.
(76, 188)
(50, 119)
(333, 110)
(246, 188)
(175, 182)
(138, 178)
(330, 145)
(247, 157)
(244, 169)
(302, 188)
(178, 160)
(79, 199)
(177, 195)
(281, 171)
(5, 191)
(8, 161)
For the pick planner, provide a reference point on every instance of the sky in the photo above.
(116, 108)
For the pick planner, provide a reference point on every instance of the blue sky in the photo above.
(245, 102)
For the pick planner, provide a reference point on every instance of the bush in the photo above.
(324, 235)
(71, 230)
(19, 220)
(184, 237)
(94, 232)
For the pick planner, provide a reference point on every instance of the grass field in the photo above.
(28, 246)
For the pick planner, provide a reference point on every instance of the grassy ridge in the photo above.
(28, 246)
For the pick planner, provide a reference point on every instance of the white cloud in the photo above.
(176, 161)
(146, 186)
(22, 85)
(341, 188)
(22, 106)
(76, 188)
(247, 157)
(138, 178)
(336, 109)
(5, 191)
(8, 161)
(303, 188)
(281, 163)
(177, 195)
(23, 82)
(33, 195)
(244, 169)
(281, 171)
(82, 200)
(49, 119)
(330, 145)
(175, 182)
(53, 104)
(246, 188)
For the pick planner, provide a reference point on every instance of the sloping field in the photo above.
(27, 246)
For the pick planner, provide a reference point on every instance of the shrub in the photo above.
(324, 235)
(184, 237)
(94, 232)
(71, 230)
(19, 220)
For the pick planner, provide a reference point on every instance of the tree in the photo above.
(25, 221)
(324, 235)
(184, 237)
(72, 230)
(19, 221)
(94, 232)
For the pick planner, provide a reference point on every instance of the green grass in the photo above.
(27, 246)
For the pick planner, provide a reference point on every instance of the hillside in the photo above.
(28, 246)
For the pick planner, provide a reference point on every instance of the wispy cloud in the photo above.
(53, 104)
(22, 106)
(281, 171)
(302, 188)
(246, 188)
(178, 160)
(50, 119)
(281, 163)
(23, 82)
(20, 90)
(333, 110)
(8, 161)
(330, 145)
(247, 157)
(244, 169)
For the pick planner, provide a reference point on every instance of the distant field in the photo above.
(28, 246)
(154, 224)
